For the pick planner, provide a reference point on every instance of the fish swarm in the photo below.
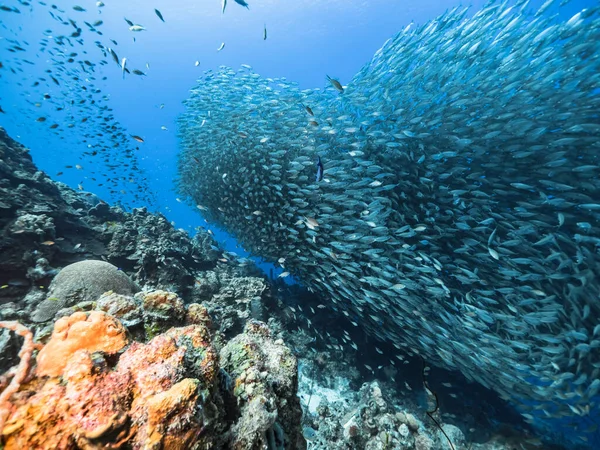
(457, 217)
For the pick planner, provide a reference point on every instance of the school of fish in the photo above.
(457, 212)
(68, 98)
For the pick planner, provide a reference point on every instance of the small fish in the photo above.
(129, 22)
(4, 286)
(78, 8)
(311, 223)
(123, 64)
(283, 275)
(163, 128)
(114, 55)
(40, 119)
(138, 72)
(160, 16)
(2, 111)
(336, 84)
(9, 9)
(308, 110)
(265, 32)
(223, 6)
(48, 243)
(319, 169)
(137, 138)
(137, 28)
(221, 47)
(243, 3)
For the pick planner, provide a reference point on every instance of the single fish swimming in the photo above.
(336, 84)
(319, 169)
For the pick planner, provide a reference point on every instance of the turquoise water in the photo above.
(306, 41)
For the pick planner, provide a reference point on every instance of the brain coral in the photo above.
(83, 281)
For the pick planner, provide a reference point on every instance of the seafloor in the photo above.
(121, 331)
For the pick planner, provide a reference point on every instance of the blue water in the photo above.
(307, 40)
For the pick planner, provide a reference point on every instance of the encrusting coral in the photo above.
(144, 372)
(265, 383)
(92, 332)
(162, 394)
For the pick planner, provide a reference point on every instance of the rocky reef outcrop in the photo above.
(123, 361)
(45, 226)
(94, 385)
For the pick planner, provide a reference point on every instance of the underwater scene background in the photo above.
(311, 224)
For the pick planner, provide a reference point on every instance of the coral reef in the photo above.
(237, 300)
(93, 387)
(152, 398)
(264, 373)
(368, 419)
(82, 281)
(45, 226)
(93, 332)
(152, 369)
(21, 371)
